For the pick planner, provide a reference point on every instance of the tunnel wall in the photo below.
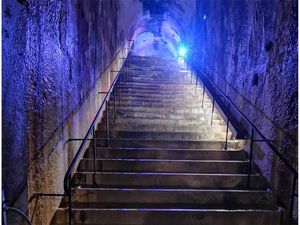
(249, 49)
(54, 53)
(165, 24)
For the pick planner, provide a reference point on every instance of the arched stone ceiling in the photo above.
(164, 25)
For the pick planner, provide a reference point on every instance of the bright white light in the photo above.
(204, 17)
(182, 51)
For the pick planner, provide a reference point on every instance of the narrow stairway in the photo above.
(165, 164)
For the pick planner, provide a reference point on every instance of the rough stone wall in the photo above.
(53, 53)
(249, 48)
(14, 120)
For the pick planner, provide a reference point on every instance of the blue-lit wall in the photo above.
(252, 45)
(53, 51)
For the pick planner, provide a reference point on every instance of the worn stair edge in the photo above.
(159, 153)
(147, 143)
(168, 180)
(158, 165)
(173, 198)
(140, 216)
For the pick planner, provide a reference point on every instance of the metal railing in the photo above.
(216, 93)
(91, 131)
(37, 197)
(6, 209)
(68, 177)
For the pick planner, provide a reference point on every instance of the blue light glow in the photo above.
(182, 51)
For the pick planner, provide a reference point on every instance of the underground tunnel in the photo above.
(150, 112)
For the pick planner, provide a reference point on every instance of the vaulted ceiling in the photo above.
(164, 25)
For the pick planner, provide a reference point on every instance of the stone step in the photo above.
(172, 100)
(217, 120)
(201, 122)
(161, 104)
(138, 90)
(182, 82)
(165, 90)
(206, 114)
(165, 96)
(150, 67)
(169, 105)
(164, 86)
(169, 76)
(165, 125)
(164, 165)
(141, 216)
(151, 94)
(169, 180)
(171, 198)
(159, 71)
(124, 107)
(143, 143)
(168, 71)
(159, 153)
(203, 135)
(161, 79)
(164, 75)
(161, 122)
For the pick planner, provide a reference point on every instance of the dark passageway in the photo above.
(150, 111)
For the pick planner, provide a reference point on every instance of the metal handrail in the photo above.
(5, 209)
(228, 85)
(24, 183)
(38, 196)
(253, 127)
(91, 130)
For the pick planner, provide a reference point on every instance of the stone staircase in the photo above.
(165, 164)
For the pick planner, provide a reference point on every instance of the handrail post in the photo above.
(212, 112)
(124, 71)
(34, 209)
(292, 198)
(227, 126)
(115, 96)
(250, 159)
(94, 156)
(70, 201)
(3, 208)
(127, 71)
(191, 72)
(196, 84)
(107, 123)
(119, 90)
(203, 94)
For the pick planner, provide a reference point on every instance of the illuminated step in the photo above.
(166, 90)
(159, 99)
(161, 153)
(168, 116)
(168, 125)
(205, 114)
(187, 136)
(166, 128)
(172, 198)
(141, 216)
(169, 180)
(170, 105)
(124, 107)
(164, 165)
(153, 95)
